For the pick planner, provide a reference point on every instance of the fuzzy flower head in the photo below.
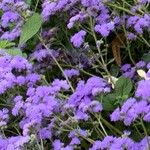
(78, 38)
(143, 89)
(105, 29)
(71, 72)
(4, 117)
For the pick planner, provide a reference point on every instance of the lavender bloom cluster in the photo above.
(39, 111)
(16, 71)
(12, 19)
(110, 142)
(105, 22)
(40, 105)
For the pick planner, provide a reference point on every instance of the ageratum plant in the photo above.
(74, 74)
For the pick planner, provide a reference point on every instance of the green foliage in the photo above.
(30, 28)
(121, 92)
(108, 101)
(123, 87)
(114, 70)
(146, 57)
(28, 2)
(9, 48)
(6, 44)
(14, 52)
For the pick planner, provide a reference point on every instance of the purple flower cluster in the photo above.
(71, 72)
(105, 29)
(131, 110)
(139, 23)
(42, 58)
(42, 54)
(114, 143)
(137, 107)
(40, 104)
(4, 117)
(12, 18)
(128, 71)
(82, 102)
(13, 143)
(131, 72)
(143, 89)
(75, 140)
(40, 111)
(98, 16)
(16, 71)
(78, 38)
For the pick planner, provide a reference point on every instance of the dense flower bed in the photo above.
(74, 74)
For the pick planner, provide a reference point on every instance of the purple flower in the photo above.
(57, 145)
(114, 143)
(21, 80)
(45, 133)
(127, 105)
(140, 64)
(60, 84)
(4, 117)
(71, 72)
(18, 105)
(130, 72)
(96, 145)
(80, 17)
(75, 141)
(115, 116)
(11, 21)
(9, 17)
(78, 38)
(105, 29)
(81, 116)
(139, 23)
(143, 89)
(95, 106)
(131, 36)
(148, 66)
(32, 78)
(88, 3)
(48, 9)
(126, 67)
(131, 110)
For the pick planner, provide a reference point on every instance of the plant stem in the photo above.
(86, 138)
(110, 126)
(145, 41)
(145, 132)
(128, 47)
(36, 5)
(121, 8)
(99, 121)
(102, 63)
(138, 131)
(55, 60)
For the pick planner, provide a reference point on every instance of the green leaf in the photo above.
(28, 2)
(123, 86)
(14, 52)
(146, 57)
(108, 102)
(24, 55)
(114, 70)
(121, 92)
(30, 28)
(5, 44)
